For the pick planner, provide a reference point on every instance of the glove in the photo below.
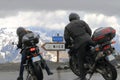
(66, 46)
(17, 48)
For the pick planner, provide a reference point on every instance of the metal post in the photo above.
(57, 34)
(57, 56)
(57, 51)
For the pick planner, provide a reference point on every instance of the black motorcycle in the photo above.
(98, 59)
(33, 58)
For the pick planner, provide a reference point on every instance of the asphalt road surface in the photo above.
(58, 75)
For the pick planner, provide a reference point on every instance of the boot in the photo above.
(83, 79)
(48, 70)
(20, 78)
(49, 73)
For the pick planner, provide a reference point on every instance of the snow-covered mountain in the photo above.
(8, 52)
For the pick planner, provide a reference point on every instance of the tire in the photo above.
(108, 71)
(32, 78)
(74, 66)
(38, 71)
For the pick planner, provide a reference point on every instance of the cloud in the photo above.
(46, 19)
(52, 22)
(4, 14)
(56, 20)
(96, 6)
(101, 20)
(54, 14)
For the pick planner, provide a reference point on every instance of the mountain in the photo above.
(8, 52)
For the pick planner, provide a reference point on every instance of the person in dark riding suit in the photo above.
(20, 33)
(78, 34)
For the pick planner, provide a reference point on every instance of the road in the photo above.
(58, 75)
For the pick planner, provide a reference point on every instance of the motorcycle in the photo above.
(99, 57)
(33, 57)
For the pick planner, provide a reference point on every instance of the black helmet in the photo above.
(20, 30)
(73, 16)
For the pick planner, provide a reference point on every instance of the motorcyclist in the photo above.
(20, 33)
(78, 34)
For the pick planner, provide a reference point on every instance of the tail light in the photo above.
(106, 47)
(113, 42)
(32, 49)
(97, 49)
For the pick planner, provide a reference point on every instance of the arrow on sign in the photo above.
(54, 46)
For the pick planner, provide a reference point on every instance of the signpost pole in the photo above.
(57, 52)
(57, 56)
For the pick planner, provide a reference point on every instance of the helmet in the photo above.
(73, 16)
(20, 30)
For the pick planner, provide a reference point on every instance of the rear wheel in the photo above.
(108, 71)
(38, 71)
(32, 78)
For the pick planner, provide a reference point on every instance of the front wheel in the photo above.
(108, 71)
(74, 65)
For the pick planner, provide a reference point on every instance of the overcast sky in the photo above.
(108, 7)
(53, 14)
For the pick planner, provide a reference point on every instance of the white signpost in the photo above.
(54, 46)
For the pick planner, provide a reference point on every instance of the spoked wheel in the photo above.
(108, 71)
(35, 72)
(74, 66)
(32, 78)
(38, 71)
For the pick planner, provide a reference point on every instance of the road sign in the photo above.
(57, 38)
(54, 46)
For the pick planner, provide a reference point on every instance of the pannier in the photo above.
(103, 34)
(30, 38)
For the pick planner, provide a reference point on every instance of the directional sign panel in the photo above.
(57, 38)
(54, 46)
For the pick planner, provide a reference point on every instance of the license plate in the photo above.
(37, 58)
(110, 57)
